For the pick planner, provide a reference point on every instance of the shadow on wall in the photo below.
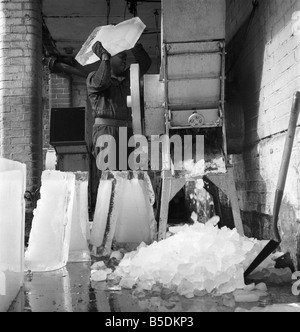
(256, 171)
(244, 73)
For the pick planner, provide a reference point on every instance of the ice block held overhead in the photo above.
(114, 38)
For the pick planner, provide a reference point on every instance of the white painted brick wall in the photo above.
(268, 75)
(20, 84)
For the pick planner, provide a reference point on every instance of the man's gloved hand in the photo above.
(100, 51)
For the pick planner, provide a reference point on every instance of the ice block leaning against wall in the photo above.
(49, 240)
(12, 223)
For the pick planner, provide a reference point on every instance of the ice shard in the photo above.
(51, 159)
(49, 240)
(114, 38)
(12, 221)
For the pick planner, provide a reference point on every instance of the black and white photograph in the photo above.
(150, 158)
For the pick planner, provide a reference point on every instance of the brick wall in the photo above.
(20, 85)
(57, 92)
(263, 59)
(79, 92)
(46, 111)
(60, 91)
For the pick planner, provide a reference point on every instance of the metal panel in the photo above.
(68, 126)
(195, 47)
(186, 92)
(193, 20)
(73, 163)
(180, 118)
(155, 121)
(194, 74)
(153, 91)
(154, 99)
(71, 148)
(194, 66)
(135, 99)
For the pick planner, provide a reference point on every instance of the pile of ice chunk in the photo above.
(197, 259)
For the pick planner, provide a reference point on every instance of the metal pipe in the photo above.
(56, 66)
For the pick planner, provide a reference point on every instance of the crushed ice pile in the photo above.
(196, 259)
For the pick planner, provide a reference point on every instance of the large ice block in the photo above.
(101, 212)
(49, 240)
(12, 220)
(114, 39)
(80, 230)
(135, 213)
(124, 212)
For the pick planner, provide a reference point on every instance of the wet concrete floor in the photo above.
(71, 290)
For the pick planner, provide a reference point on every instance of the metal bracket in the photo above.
(196, 120)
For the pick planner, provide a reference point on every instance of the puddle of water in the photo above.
(71, 290)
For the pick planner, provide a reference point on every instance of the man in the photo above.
(108, 88)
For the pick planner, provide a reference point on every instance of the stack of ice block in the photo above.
(12, 220)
